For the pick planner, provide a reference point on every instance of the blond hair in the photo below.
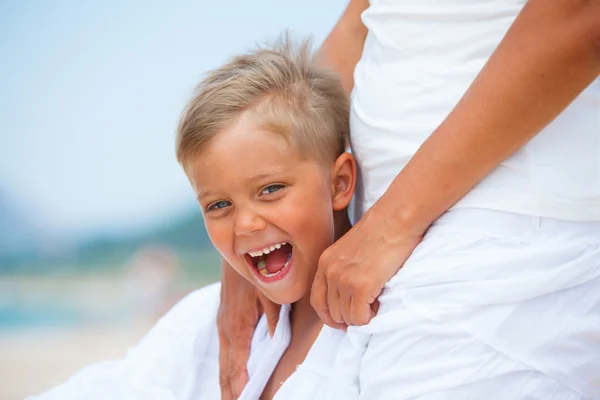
(283, 86)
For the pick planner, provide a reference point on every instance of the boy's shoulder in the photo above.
(182, 336)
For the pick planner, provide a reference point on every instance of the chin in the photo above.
(284, 296)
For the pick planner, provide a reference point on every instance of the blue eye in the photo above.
(218, 205)
(271, 189)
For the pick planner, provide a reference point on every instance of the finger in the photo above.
(333, 303)
(318, 299)
(239, 352)
(224, 381)
(361, 311)
(345, 302)
(375, 307)
(271, 311)
(260, 309)
(364, 307)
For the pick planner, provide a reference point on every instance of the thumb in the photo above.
(271, 311)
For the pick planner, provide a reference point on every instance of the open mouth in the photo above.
(270, 261)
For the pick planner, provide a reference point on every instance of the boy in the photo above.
(263, 145)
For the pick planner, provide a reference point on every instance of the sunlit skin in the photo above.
(255, 190)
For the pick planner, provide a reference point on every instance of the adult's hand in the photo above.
(240, 308)
(353, 271)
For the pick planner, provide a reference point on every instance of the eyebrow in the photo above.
(202, 195)
(263, 176)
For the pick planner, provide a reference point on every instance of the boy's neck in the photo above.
(303, 316)
(342, 223)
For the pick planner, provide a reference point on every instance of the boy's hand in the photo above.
(241, 307)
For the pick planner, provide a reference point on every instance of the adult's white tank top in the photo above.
(419, 58)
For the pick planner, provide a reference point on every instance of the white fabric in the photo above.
(491, 305)
(419, 58)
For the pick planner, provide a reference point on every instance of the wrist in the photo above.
(400, 216)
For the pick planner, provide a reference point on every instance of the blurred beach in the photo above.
(50, 327)
(32, 361)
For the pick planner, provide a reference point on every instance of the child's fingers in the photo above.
(224, 381)
(239, 352)
(238, 313)
(271, 311)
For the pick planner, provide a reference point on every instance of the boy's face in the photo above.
(267, 210)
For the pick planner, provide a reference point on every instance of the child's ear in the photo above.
(343, 181)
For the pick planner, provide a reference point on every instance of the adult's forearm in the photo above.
(342, 49)
(550, 54)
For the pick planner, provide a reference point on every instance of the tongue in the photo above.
(276, 260)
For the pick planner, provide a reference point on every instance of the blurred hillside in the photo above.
(18, 237)
(28, 248)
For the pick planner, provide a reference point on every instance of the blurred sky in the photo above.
(90, 94)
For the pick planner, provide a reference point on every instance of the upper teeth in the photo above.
(267, 250)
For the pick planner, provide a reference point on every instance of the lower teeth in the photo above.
(262, 267)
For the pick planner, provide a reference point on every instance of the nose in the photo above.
(248, 222)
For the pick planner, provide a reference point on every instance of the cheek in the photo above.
(314, 217)
(220, 236)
